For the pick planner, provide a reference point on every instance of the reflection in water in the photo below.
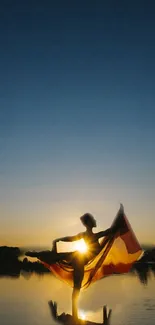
(131, 302)
(121, 292)
(142, 270)
(67, 319)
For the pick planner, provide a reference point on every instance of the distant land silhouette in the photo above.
(13, 263)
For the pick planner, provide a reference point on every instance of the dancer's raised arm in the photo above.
(107, 232)
(69, 238)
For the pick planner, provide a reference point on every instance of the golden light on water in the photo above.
(82, 315)
(81, 246)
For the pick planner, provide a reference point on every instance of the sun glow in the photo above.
(82, 315)
(81, 246)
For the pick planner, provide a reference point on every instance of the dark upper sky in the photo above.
(77, 108)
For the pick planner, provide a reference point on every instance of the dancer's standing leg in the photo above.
(78, 275)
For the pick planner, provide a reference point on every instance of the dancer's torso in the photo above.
(93, 245)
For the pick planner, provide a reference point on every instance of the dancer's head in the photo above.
(88, 220)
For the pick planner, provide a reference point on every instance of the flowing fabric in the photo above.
(118, 253)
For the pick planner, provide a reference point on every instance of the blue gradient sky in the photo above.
(77, 117)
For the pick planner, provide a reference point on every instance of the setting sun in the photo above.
(81, 246)
(82, 315)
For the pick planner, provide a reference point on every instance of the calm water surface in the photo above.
(24, 300)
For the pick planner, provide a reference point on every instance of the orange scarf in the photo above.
(118, 253)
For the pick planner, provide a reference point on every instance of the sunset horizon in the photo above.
(77, 119)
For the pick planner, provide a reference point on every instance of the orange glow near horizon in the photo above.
(82, 315)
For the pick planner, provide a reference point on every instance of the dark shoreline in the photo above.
(11, 265)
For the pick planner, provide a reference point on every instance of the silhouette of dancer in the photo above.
(77, 260)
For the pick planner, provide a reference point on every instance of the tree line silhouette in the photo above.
(12, 265)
